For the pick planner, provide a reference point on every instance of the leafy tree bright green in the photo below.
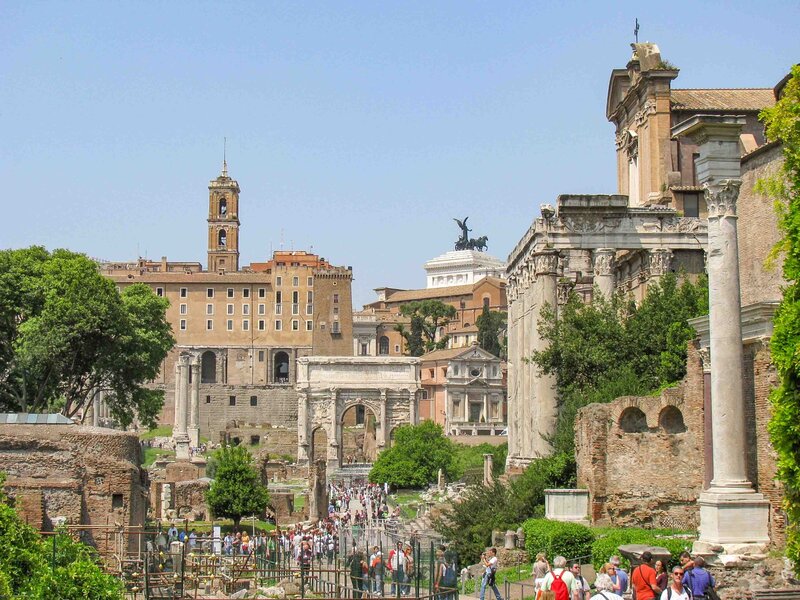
(237, 490)
(66, 332)
(555, 538)
(27, 569)
(415, 457)
(426, 317)
(492, 331)
(783, 123)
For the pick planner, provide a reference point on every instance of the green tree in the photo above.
(67, 333)
(416, 455)
(237, 490)
(492, 331)
(783, 124)
(426, 317)
(28, 568)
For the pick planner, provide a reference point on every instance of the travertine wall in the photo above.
(89, 475)
(650, 477)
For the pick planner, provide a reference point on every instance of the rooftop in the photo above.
(743, 99)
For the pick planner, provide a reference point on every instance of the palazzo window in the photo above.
(209, 309)
(383, 345)
(184, 292)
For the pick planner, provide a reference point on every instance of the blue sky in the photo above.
(356, 130)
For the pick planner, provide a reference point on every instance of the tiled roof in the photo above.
(443, 354)
(753, 99)
(442, 292)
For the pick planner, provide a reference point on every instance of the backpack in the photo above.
(558, 587)
(449, 577)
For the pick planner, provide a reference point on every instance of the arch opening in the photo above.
(208, 367)
(280, 368)
(633, 420)
(359, 442)
(383, 345)
(671, 420)
(319, 444)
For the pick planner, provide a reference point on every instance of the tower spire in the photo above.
(225, 157)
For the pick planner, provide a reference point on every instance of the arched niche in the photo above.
(383, 345)
(280, 367)
(208, 367)
(633, 420)
(319, 444)
(671, 420)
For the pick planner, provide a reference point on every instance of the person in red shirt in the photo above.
(643, 579)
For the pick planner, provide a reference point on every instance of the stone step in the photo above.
(780, 594)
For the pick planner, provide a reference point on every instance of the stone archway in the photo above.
(359, 441)
(318, 448)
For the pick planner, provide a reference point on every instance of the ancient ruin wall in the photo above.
(642, 468)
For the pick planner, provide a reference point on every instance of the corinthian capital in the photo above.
(721, 198)
(546, 262)
(660, 261)
(604, 261)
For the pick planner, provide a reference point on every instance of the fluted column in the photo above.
(545, 403)
(604, 270)
(177, 395)
(194, 408)
(412, 405)
(303, 442)
(334, 436)
(382, 437)
(513, 371)
(181, 434)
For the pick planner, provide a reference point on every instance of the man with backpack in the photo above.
(698, 580)
(445, 583)
(675, 589)
(559, 580)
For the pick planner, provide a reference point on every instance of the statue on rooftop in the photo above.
(467, 243)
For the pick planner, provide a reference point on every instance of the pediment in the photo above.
(475, 353)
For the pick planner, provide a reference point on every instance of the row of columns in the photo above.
(101, 412)
(186, 428)
(464, 416)
(532, 402)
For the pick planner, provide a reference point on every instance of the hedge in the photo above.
(556, 538)
(609, 540)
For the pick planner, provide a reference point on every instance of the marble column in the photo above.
(194, 408)
(545, 402)
(513, 370)
(177, 395)
(412, 405)
(303, 442)
(181, 435)
(604, 270)
(96, 409)
(382, 434)
(488, 468)
(334, 436)
(732, 514)
(486, 415)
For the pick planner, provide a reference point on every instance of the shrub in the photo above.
(556, 538)
(609, 540)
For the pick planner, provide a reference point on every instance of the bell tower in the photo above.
(223, 222)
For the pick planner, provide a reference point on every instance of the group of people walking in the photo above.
(689, 580)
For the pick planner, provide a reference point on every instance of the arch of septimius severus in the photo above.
(581, 232)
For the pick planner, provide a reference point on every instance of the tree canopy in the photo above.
(237, 490)
(66, 332)
(492, 332)
(30, 569)
(416, 455)
(426, 317)
(783, 124)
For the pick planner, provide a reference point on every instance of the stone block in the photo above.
(734, 519)
(567, 505)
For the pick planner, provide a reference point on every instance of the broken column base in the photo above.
(736, 523)
(182, 448)
(194, 437)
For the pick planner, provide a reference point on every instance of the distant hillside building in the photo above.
(245, 327)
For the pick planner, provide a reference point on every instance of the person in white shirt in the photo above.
(604, 588)
(561, 572)
(675, 589)
(489, 561)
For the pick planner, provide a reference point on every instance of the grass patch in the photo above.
(151, 455)
(407, 500)
(299, 502)
(161, 431)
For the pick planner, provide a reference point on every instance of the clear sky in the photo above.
(356, 130)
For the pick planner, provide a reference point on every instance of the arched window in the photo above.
(223, 238)
(671, 420)
(223, 207)
(633, 420)
(280, 369)
(208, 367)
(383, 345)
(486, 301)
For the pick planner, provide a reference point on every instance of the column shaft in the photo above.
(604, 270)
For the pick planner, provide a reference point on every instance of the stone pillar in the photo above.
(488, 465)
(180, 435)
(194, 408)
(545, 403)
(660, 262)
(334, 436)
(412, 405)
(96, 409)
(465, 396)
(486, 415)
(303, 441)
(732, 514)
(604, 270)
(382, 434)
(177, 395)
(513, 369)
